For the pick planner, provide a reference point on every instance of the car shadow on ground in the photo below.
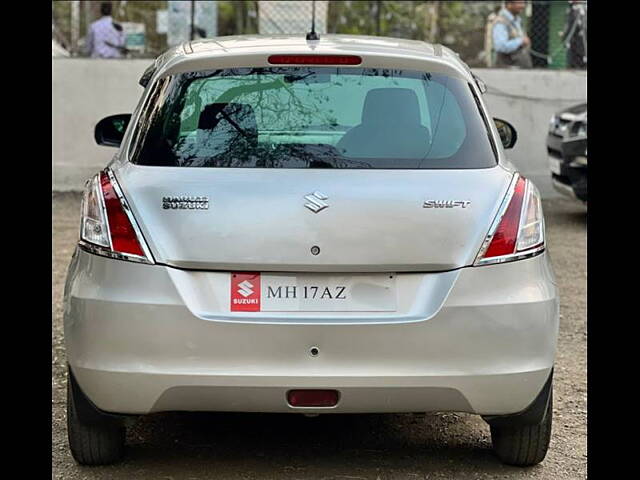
(194, 445)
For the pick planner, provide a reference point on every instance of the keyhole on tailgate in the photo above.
(315, 250)
(314, 351)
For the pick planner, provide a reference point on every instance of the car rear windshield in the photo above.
(312, 117)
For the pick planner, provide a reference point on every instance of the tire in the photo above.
(93, 444)
(523, 445)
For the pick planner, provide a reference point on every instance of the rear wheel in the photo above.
(523, 445)
(93, 444)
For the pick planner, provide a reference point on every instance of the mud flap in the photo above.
(532, 415)
(87, 412)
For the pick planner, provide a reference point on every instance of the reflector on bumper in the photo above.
(313, 398)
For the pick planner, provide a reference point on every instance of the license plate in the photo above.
(256, 292)
(554, 165)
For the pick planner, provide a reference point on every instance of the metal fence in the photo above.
(557, 29)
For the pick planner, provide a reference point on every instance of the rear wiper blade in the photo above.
(296, 78)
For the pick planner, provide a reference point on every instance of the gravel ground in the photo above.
(243, 446)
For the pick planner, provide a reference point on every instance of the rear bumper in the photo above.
(144, 392)
(138, 342)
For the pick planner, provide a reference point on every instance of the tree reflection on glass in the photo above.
(306, 117)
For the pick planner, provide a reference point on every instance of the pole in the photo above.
(433, 27)
(75, 26)
(193, 11)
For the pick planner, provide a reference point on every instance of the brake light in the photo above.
(315, 59)
(518, 230)
(505, 237)
(123, 236)
(108, 228)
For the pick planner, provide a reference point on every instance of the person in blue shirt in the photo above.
(510, 42)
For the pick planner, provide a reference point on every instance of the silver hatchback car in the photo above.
(310, 226)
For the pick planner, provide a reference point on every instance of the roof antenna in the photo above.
(312, 35)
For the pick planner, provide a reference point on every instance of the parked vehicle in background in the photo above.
(316, 227)
(567, 149)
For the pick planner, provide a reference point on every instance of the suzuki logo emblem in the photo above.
(316, 203)
(245, 288)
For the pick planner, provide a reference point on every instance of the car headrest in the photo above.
(231, 116)
(391, 105)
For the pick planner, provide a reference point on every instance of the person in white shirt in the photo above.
(105, 38)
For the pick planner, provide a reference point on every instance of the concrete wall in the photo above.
(86, 90)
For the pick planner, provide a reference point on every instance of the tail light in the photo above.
(518, 230)
(108, 227)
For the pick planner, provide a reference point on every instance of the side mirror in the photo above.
(110, 130)
(508, 134)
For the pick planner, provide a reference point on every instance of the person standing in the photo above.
(105, 38)
(510, 42)
(575, 34)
